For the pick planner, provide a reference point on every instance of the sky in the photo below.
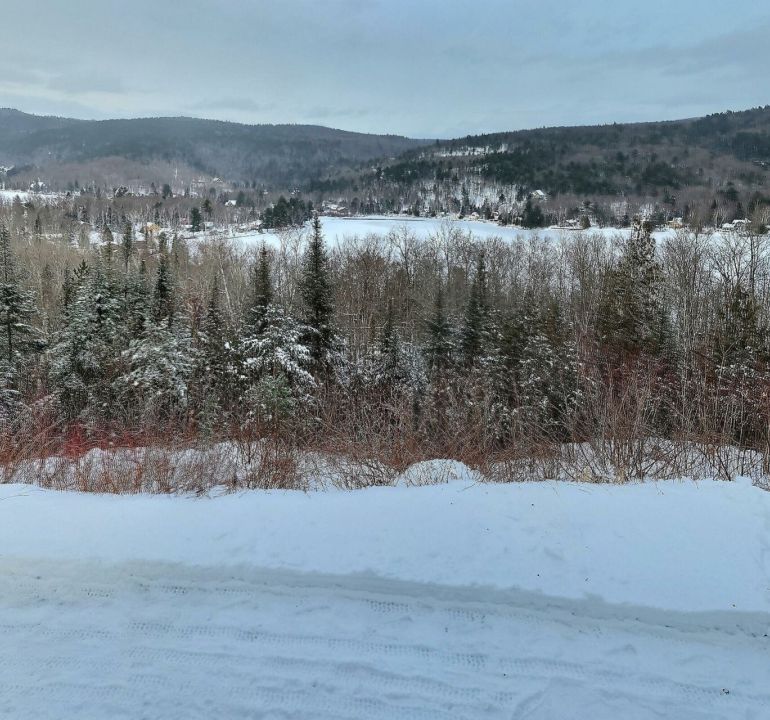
(423, 68)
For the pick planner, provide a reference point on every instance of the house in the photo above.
(334, 209)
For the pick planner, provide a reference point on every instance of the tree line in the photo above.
(392, 346)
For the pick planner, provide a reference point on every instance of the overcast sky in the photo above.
(426, 68)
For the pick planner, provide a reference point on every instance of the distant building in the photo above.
(334, 209)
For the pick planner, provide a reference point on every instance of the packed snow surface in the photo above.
(460, 600)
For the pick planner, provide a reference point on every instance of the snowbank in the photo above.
(680, 546)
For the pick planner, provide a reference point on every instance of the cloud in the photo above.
(427, 68)
(79, 82)
(242, 104)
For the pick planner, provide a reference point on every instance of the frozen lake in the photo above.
(337, 229)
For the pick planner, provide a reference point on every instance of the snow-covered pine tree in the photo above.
(83, 358)
(277, 349)
(548, 376)
(20, 337)
(277, 365)
(159, 365)
(395, 366)
(11, 401)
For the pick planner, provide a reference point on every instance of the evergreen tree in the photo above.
(440, 345)
(548, 376)
(137, 303)
(196, 222)
(316, 293)
(17, 309)
(476, 336)
(127, 246)
(262, 289)
(163, 294)
(217, 356)
(277, 350)
(632, 316)
(738, 339)
(159, 367)
(84, 356)
(532, 217)
(396, 366)
(11, 401)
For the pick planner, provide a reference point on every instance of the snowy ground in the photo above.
(8, 196)
(533, 600)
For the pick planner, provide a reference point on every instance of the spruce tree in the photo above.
(396, 366)
(475, 332)
(160, 363)
(316, 290)
(17, 309)
(737, 342)
(632, 317)
(163, 293)
(278, 349)
(137, 303)
(84, 357)
(127, 245)
(440, 344)
(217, 355)
(196, 222)
(262, 289)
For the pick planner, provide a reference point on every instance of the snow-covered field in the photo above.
(8, 196)
(532, 600)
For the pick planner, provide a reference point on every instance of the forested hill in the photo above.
(727, 151)
(277, 155)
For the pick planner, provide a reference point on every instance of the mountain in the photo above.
(151, 148)
(722, 158)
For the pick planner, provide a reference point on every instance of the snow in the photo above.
(8, 196)
(461, 600)
(338, 229)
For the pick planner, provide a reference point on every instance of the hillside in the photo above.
(723, 157)
(281, 155)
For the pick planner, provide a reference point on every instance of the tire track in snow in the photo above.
(189, 644)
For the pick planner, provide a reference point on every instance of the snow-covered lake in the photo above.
(336, 229)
